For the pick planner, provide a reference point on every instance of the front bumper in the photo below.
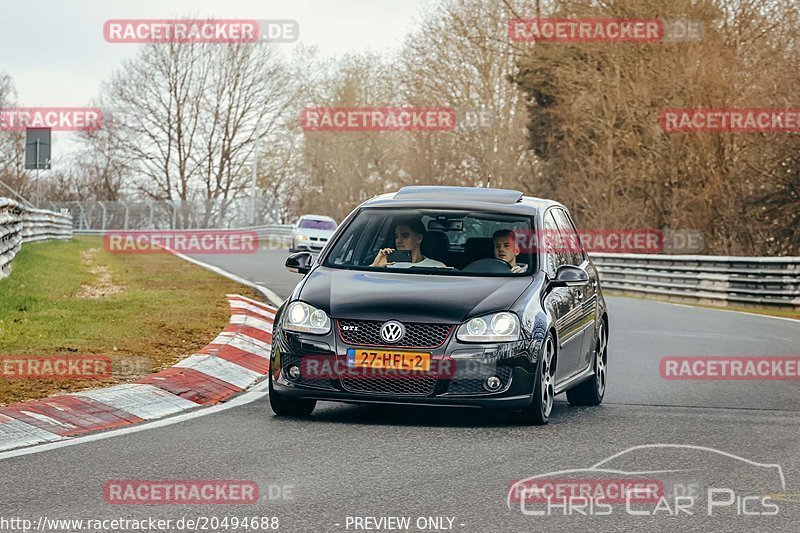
(309, 245)
(462, 385)
(305, 246)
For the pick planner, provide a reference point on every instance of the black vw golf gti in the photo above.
(452, 296)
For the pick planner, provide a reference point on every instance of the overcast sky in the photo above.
(55, 52)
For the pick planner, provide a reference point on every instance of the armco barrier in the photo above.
(20, 224)
(716, 280)
(273, 234)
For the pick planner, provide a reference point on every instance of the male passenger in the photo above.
(506, 249)
(408, 235)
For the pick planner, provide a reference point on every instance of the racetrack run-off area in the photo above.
(432, 266)
(457, 463)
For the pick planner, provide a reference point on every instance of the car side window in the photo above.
(581, 253)
(352, 245)
(569, 237)
(345, 252)
(377, 233)
(554, 258)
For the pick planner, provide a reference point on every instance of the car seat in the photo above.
(477, 248)
(436, 245)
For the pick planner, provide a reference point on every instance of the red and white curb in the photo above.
(235, 360)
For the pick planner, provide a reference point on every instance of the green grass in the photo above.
(166, 310)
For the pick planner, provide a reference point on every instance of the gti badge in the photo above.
(392, 331)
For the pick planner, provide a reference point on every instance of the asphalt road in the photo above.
(361, 461)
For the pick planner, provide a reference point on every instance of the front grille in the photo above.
(401, 386)
(471, 381)
(418, 335)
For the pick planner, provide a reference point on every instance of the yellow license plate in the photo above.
(389, 359)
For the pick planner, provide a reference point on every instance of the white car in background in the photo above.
(311, 233)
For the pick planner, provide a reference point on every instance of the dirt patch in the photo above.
(103, 285)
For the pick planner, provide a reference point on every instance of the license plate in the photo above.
(389, 359)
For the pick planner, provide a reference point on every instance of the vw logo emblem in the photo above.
(392, 331)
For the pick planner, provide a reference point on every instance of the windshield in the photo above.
(445, 242)
(312, 223)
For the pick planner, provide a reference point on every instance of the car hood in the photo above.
(310, 232)
(412, 297)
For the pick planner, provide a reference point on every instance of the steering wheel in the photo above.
(489, 265)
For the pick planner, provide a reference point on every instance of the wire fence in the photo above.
(162, 215)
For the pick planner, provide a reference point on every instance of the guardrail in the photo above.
(716, 280)
(229, 213)
(273, 235)
(20, 224)
(283, 230)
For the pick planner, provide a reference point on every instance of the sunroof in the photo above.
(470, 194)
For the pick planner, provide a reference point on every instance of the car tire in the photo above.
(538, 412)
(284, 406)
(591, 391)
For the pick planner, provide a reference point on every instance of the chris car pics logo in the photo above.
(674, 480)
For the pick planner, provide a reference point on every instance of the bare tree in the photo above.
(343, 168)
(460, 58)
(101, 168)
(187, 116)
(12, 149)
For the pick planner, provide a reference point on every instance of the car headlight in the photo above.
(301, 237)
(306, 319)
(498, 327)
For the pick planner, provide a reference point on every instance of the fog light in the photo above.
(492, 383)
(294, 372)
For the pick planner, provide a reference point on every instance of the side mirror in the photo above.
(300, 263)
(569, 276)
